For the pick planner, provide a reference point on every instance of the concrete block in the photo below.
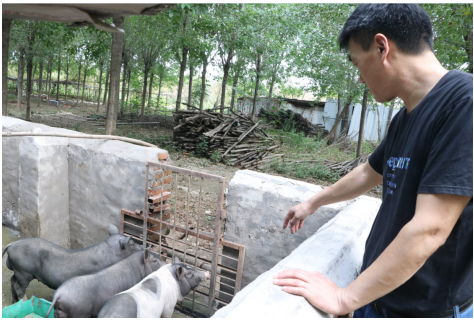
(104, 177)
(10, 167)
(335, 250)
(43, 189)
(257, 204)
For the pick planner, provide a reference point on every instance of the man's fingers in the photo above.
(288, 217)
(298, 291)
(301, 223)
(292, 274)
(289, 282)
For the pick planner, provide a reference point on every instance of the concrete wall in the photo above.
(335, 250)
(257, 204)
(69, 190)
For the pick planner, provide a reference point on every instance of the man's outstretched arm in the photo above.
(360, 180)
(435, 217)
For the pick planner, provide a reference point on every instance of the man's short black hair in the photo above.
(407, 25)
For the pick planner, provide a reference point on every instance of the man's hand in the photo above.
(320, 291)
(296, 216)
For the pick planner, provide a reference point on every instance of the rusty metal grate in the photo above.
(182, 218)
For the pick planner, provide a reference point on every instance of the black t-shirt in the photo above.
(428, 150)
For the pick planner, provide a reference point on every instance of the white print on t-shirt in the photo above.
(399, 163)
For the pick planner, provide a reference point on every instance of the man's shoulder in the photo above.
(459, 83)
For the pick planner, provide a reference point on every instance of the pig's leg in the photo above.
(14, 296)
(21, 283)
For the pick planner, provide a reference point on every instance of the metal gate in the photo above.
(178, 221)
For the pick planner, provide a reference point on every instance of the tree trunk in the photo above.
(338, 119)
(346, 124)
(6, 26)
(20, 78)
(190, 87)
(29, 69)
(50, 80)
(59, 72)
(159, 92)
(84, 83)
(338, 108)
(78, 83)
(145, 75)
(149, 92)
(67, 78)
(181, 77)
(40, 82)
(107, 76)
(390, 113)
(124, 78)
(379, 129)
(101, 66)
(33, 76)
(128, 84)
(362, 123)
(224, 79)
(203, 86)
(257, 83)
(115, 66)
(234, 87)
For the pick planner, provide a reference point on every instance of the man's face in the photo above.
(371, 69)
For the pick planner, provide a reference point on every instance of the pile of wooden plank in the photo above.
(235, 138)
(287, 120)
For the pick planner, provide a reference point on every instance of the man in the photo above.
(418, 258)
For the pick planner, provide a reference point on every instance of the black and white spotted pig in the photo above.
(156, 295)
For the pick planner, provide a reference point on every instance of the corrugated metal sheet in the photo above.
(328, 115)
(371, 122)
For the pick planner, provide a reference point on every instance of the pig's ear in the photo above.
(112, 230)
(147, 254)
(124, 242)
(175, 260)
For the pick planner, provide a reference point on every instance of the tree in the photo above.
(362, 123)
(115, 66)
(6, 25)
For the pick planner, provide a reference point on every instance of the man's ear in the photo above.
(383, 45)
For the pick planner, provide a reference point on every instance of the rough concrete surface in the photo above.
(335, 250)
(257, 204)
(10, 167)
(85, 182)
(44, 193)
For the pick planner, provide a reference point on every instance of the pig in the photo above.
(156, 295)
(84, 296)
(36, 258)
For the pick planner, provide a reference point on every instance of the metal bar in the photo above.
(122, 220)
(145, 209)
(225, 277)
(221, 301)
(225, 284)
(222, 255)
(217, 232)
(186, 207)
(240, 269)
(225, 293)
(161, 211)
(230, 244)
(197, 237)
(202, 234)
(175, 206)
(188, 172)
(202, 304)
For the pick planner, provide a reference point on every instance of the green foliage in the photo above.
(215, 156)
(201, 147)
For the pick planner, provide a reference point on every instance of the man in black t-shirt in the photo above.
(418, 257)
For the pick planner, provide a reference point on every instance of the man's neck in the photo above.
(417, 75)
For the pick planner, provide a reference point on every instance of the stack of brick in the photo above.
(159, 194)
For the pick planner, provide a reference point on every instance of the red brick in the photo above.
(163, 156)
(168, 180)
(167, 173)
(158, 175)
(157, 208)
(157, 192)
(157, 198)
